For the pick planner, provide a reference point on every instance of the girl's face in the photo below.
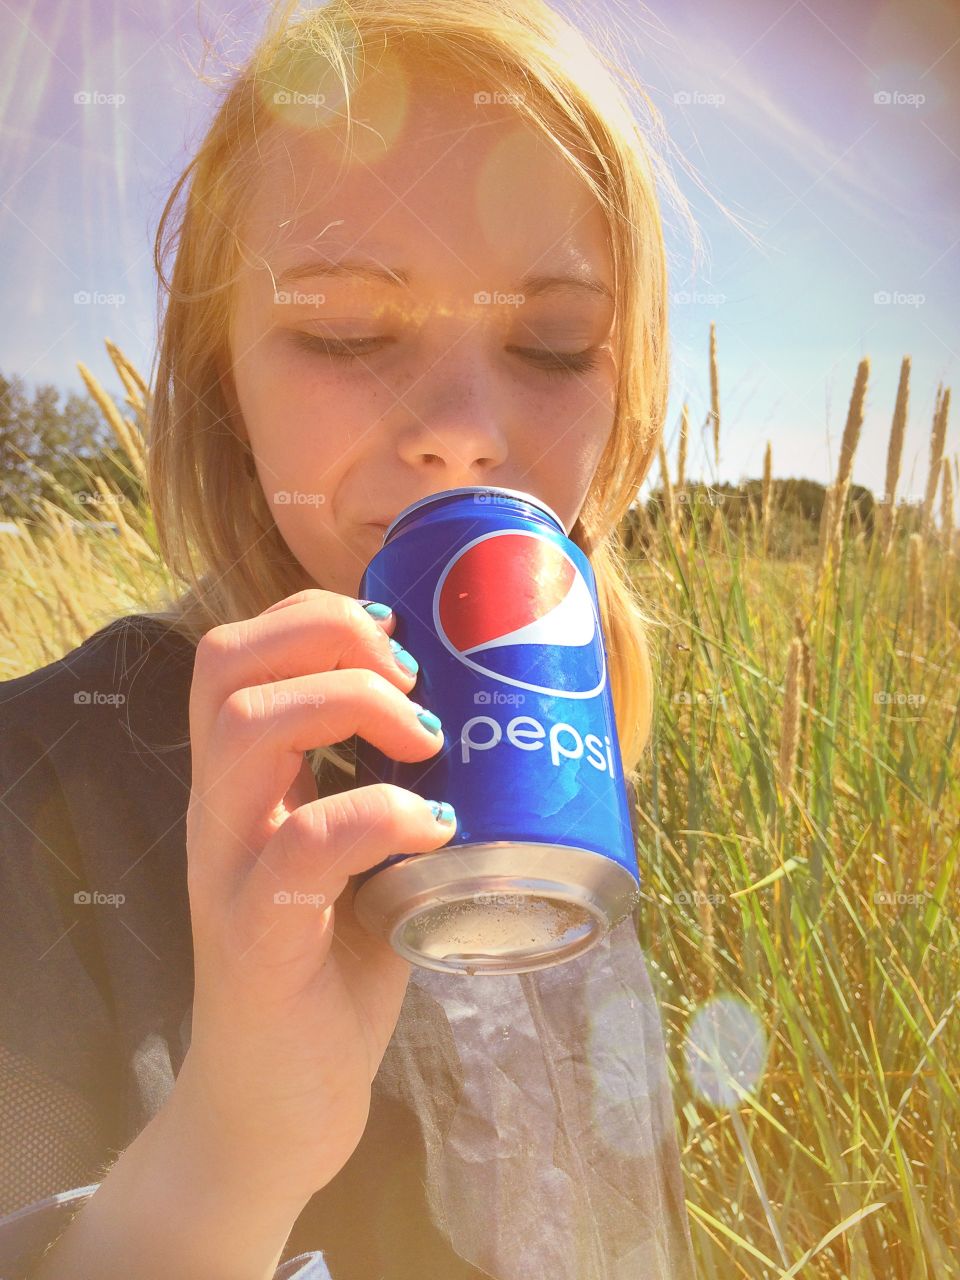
(401, 328)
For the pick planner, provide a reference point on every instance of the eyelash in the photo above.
(552, 363)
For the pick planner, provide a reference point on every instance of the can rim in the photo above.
(472, 488)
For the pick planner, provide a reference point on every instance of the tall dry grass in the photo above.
(800, 871)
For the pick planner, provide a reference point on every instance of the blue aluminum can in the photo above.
(499, 607)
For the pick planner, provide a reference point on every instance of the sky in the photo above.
(818, 147)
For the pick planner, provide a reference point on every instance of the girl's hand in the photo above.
(294, 1002)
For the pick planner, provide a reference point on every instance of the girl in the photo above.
(420, 249)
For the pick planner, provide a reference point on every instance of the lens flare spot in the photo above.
(725, 1050)
(361, 111)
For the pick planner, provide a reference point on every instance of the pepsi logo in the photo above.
(514, 606)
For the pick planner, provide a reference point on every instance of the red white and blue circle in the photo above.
(513, 605)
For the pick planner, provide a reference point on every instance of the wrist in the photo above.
(229, 1151)
(178, 1202)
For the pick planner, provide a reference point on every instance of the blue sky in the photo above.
(812, 198)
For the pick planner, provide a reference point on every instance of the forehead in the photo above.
(444, 181)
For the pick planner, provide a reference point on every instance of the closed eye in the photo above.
(550, 362)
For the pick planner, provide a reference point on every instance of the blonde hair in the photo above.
(215, 529)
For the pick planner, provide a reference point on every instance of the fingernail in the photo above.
(427, 718)
(443, 812)
(406, 660)
(378, 611)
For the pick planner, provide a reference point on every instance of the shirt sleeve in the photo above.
(57, 1075)
(25, 1233)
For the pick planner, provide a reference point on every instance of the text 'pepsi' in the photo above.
(499, 607)
(527, 734)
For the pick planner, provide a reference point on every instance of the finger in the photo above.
(257, 745)
(319, 631)
(387, 622)
(307, 864)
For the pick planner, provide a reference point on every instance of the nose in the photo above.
(454, 418)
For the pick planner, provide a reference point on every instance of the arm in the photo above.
(178, 1202)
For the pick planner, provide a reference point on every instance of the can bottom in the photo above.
(501, 907)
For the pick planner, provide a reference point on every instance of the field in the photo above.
(800, 812)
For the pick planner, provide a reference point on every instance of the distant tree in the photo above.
(44, 444)
(797, 504)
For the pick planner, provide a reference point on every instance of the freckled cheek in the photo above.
(585, 407)
(303, 418)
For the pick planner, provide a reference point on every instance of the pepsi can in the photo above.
(500, 609)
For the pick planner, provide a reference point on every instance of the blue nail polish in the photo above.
(428, 719)
(442, 811)
(378, 611)
(406, 660)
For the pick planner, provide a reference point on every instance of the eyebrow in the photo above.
(531, 286)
